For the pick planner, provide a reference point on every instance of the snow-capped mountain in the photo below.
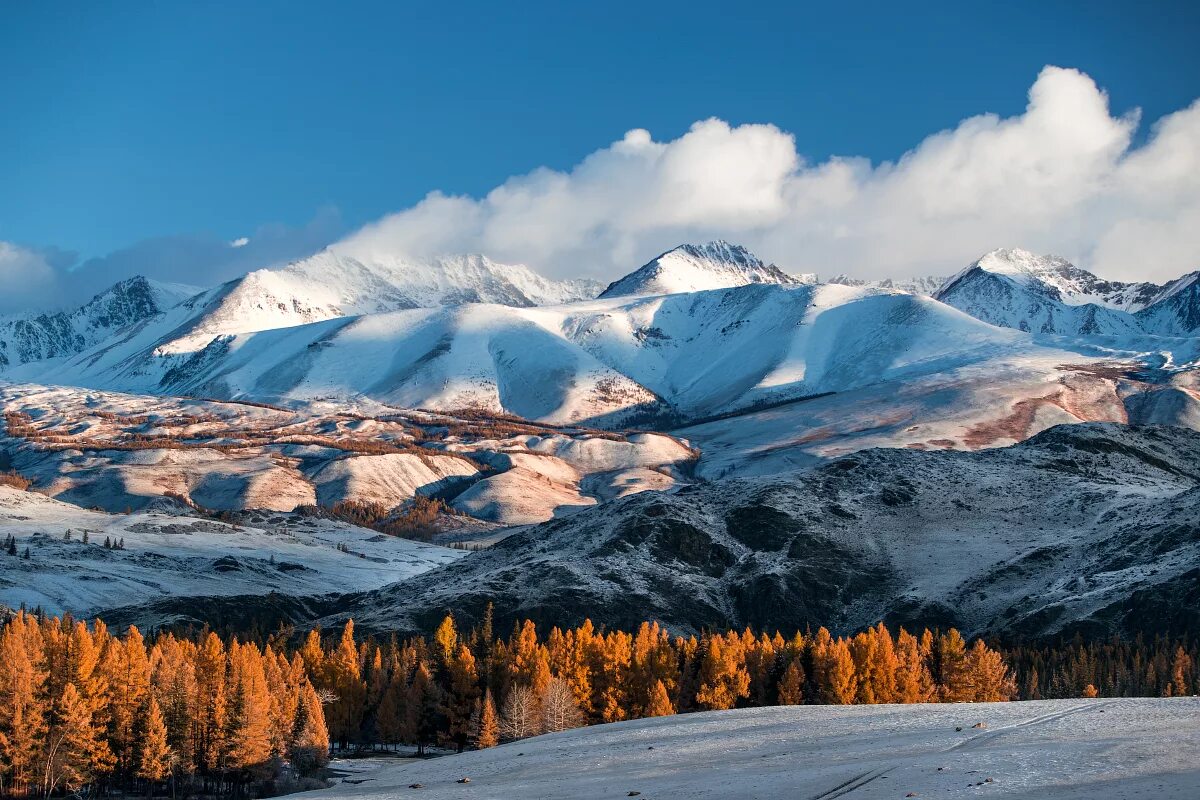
(924, 285)
(696, 268)
(34, 337)
(689, 355)
(334, 284)
(1045, 294)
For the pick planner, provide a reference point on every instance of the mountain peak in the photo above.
(698, 267)
(1054, 278)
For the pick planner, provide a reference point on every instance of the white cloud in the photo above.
(241, 241)
(28, 277)
(1062, 177)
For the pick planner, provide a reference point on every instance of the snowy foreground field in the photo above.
(1143, 748)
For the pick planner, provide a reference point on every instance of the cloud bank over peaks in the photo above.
(1061, 177)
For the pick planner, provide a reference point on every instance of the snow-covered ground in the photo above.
(169, 555)
(1042, 750)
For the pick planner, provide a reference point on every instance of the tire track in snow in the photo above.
(857, 782)
(986, 737)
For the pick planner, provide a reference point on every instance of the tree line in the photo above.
(82, 708)
(471, 688)
(1137, 667)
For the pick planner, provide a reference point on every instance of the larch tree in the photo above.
(423, 702)
(990, 680)
(953, 672)
(460, 700)
(660, 702)
(488, 734)
(723, 675)
(839, 684)
(309, 746)
(521, 717)
(791, 685)
(154, 764)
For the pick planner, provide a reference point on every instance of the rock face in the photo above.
(697, 268)
(1092, 528)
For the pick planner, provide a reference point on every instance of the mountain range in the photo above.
(623, 432)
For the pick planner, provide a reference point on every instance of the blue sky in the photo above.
(128, 121)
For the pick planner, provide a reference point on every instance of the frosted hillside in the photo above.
(117, 451)
(1039, 750)
(174, 555)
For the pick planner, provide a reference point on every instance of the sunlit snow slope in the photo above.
(1042, 750)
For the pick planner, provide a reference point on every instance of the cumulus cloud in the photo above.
(1061, 177)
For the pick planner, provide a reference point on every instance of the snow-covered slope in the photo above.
(1040, 750)
(697, 268)
(171, 555)
(603, 361)
(1093, 527)
(34, 337)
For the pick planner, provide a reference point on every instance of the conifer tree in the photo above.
(913, 682)
(23, 713)
(723, 676)
(488, 734)
(154, 764)
(988, 678)
(953, 674)
(422, 709)
(1181, 669)
(838, 683)
(460, 700)
(309, 747)
(249, 719)
(791, 685)
(660, 702)
(75, 753)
